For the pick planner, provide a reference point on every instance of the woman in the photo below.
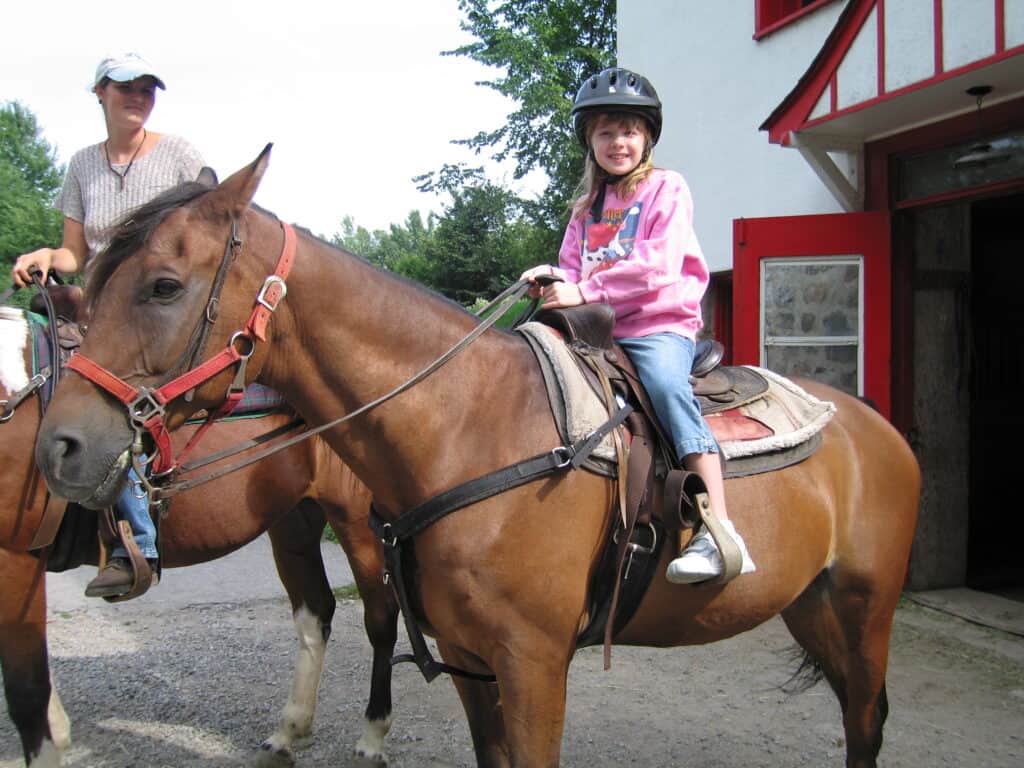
(103, 183)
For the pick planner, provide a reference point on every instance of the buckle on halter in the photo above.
(261, 297)
(145, 407)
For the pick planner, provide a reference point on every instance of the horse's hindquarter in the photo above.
(846, 512)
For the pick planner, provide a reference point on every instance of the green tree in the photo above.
(29, 180)
(544, 49)
(400, 248)
(481, 244)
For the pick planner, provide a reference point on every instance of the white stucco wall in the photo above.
(718, 85)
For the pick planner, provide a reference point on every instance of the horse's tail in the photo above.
(807, 674)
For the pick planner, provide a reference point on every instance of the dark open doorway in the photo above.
(995, 555)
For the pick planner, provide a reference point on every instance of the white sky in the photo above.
(354, 95)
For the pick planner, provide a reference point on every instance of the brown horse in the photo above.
(287, 495)
(502, 584)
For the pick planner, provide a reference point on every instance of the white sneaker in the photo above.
(701, 560)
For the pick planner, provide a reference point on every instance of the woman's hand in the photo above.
(41, 259)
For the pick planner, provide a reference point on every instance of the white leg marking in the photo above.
(297, 716)
(60, 725)
(13, 338)
(371, 744)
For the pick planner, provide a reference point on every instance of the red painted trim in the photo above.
(915, 86)
(996, 188)
(880, 44)
(879, 155)
(834, 95)
(761, 30)
(1000, 25)
(831, 234)
(792, 113)
(937, 17)
(722, 286)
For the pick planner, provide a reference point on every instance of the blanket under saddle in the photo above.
(778, 428)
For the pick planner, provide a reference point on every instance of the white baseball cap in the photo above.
(124, 68)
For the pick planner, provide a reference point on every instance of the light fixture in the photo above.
(983, 154)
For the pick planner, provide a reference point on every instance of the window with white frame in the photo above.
(812, 312)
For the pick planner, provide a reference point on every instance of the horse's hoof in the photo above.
(271, 756)
(370, 759)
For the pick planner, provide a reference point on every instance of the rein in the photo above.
(503, 302)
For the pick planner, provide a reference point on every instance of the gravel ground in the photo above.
(201, 685)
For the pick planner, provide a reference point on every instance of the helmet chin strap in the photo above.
(598, 205)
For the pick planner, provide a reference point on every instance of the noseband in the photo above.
(147, 407)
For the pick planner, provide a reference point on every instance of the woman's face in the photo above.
(129, 103)
(618, 145)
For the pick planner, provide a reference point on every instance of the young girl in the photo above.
(103, 182)
(630, 243)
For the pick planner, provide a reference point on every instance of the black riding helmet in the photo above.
(619, 90)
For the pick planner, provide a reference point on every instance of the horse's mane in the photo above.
(137, 226)
(133, 230)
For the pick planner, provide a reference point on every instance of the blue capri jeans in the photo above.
(663, 361)
(136, 511)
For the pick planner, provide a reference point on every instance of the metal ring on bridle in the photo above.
(243, 335)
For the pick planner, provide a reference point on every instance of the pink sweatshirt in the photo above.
(642, 258)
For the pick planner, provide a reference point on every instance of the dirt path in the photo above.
(202, 685)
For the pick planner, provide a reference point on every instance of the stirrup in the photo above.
(732, 557)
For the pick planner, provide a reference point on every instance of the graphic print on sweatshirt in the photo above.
(610, 239)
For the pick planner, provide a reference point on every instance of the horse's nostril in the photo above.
(62, 445)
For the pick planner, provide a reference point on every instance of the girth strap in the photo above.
(394, 535)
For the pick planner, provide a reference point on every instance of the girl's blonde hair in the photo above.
(594, 175)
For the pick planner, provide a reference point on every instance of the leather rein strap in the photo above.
(503, 302)
(147, 407)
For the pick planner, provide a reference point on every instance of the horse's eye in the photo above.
(165, 288)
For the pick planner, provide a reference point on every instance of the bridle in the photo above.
(147, 406)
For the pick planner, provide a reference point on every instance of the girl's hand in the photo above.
(41, 259)
(541, 269)
(561, 295)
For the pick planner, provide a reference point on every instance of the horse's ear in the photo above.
(207, 177)
(235, 193)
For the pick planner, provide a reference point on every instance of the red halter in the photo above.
(146, 407)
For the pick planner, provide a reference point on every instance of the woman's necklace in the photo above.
(132, 160)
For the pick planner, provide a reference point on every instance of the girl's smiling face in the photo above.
(618, 143)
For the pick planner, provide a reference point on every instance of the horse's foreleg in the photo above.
(24, 660)
(517, 722)
(296, 544)
(532, 690)
(482, 706)
(380, 617)
(847, 632)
